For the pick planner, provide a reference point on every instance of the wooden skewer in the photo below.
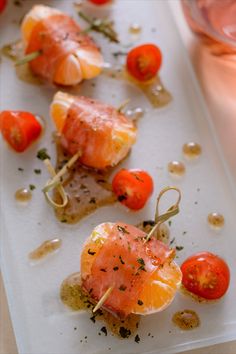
(123, 105)
(56, 177)
(173, 210)
(60, 188)
(55, 182)
(103, 298)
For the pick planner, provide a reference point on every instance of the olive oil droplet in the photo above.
(176, 168)
(186, 319)
(216, 220)
(192, 150)
(135, 28)
(23, 195)
(45, 248)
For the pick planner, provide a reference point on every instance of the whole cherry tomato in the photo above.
(19, 129)
(144, 61)
(206, 275)
(132, 187)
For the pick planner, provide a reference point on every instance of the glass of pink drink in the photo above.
(214, 21)
(214, 56)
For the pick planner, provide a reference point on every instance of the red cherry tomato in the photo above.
(100, 2)
(144, 61)
(19, 129)
(206, 275)
(2, 5)
(132, 187)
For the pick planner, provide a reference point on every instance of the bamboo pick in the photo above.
(103, 298)
(173, 210)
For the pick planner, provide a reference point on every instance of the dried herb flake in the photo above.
(124, 332)
(43, 155)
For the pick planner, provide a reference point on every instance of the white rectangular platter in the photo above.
(41, 323)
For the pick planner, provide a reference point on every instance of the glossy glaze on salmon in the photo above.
(102, 134)
(67, 55)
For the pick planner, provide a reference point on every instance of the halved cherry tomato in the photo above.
(2, 5)
(100, 2)
(144, 61)
(132, 187)
(19, 129)
(206, 275)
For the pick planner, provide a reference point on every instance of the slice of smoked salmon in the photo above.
(124, 262)
(57, 37)
(99, 131)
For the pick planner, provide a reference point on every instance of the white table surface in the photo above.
(227, 138)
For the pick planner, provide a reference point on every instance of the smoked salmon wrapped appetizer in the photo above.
(66, 55)
(137, 274)
(103, 135)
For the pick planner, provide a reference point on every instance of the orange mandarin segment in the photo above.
(160, 290)
(69, 71)
(59, 109)
(36, 14)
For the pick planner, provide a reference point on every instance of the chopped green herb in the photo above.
(141, 261)
(142, 264)
(20, 169)
(172, 241)
(115, 268)
(122, 229)
(119, 53)
(121, 260)
(104, 330)
(140, 302)
(91, 252)
(122, 287)
(169, 222)
(93, 318)
(32, 187)
(103, 26)
(37, 171)
(124, 332)
(137, 338)
(42, 154)
(179, 248)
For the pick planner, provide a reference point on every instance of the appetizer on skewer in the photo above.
(141, 275)
(95, 134)
(63, 53)
(126, 271)
(102, 134)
